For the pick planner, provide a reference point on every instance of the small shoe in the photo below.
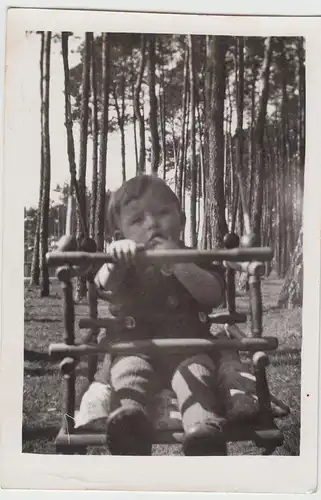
(204, 440)
(129, 432)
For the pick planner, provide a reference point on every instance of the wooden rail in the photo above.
(170, 345)
(165, 256)
(231, 434)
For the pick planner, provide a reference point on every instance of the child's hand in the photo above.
(123, 252)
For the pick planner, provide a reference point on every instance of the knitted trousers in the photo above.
(136, 379)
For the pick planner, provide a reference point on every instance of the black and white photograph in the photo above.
(163, 181)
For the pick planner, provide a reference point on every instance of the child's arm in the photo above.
(111, 276)
(206, 286)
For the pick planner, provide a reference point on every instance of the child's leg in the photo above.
(238, 387)
(134, 383)
(194, 384)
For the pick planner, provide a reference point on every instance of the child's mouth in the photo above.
(154, 238)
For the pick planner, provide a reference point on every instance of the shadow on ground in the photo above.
(36, 356)
(32, 433)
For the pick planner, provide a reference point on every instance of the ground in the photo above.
(42, 381)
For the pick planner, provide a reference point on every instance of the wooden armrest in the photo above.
(227, 317)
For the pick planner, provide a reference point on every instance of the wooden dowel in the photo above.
(68, 401)
(262, 390)
(170, 345)
(235, 332)
(230, 290)
(156, 256)
(256, 268)
(255, 305)
(93, 311)
(168, 436)
(65, 273)
(216, 318)
(69, 380)
(227, 317)
(68, 312)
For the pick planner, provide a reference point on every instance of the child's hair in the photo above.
(133, 189)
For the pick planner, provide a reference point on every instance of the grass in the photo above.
(42, 381)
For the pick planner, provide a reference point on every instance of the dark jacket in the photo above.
(160, 305)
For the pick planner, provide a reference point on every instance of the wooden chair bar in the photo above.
(235, 332)
(236, 432)
(93, 311)
(228, 317)
(260, 361)
(217, 318)
(245, 259)
(165, 256)
(69, 377)
(255, 305)
(170, 345)
(230, 291)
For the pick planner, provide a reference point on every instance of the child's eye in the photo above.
(163, 211)
(136, 220)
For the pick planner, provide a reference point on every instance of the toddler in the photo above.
(154, 301)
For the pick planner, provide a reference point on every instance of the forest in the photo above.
(208, 113)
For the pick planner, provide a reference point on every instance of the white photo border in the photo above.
(168, 474)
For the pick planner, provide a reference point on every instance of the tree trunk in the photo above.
(205, 241)
(175, 156)
(215, 207)
(256, 213)
(199, 193)
(95, 143)
(192, 142)
(100, 217)
(239, 132)
(184, 106)
(139, 115)
(82, 218)
(231, 200)
(283, 171)
(163, 125)
(135, 131)
(162, 107)
(162, 131)
(153, 105)
(202, 174)
(35, 266)
(123, 142)
(302, 95)
(44, 291)
(271, 200)
(252, 137)
(84, 134)
(121, 123)
(184, 153)
(292, 291)
(68, 117)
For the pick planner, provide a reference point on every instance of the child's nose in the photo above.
(151, 221)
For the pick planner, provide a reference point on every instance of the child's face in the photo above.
(151, 218)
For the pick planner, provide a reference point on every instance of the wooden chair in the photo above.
(263, 430)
